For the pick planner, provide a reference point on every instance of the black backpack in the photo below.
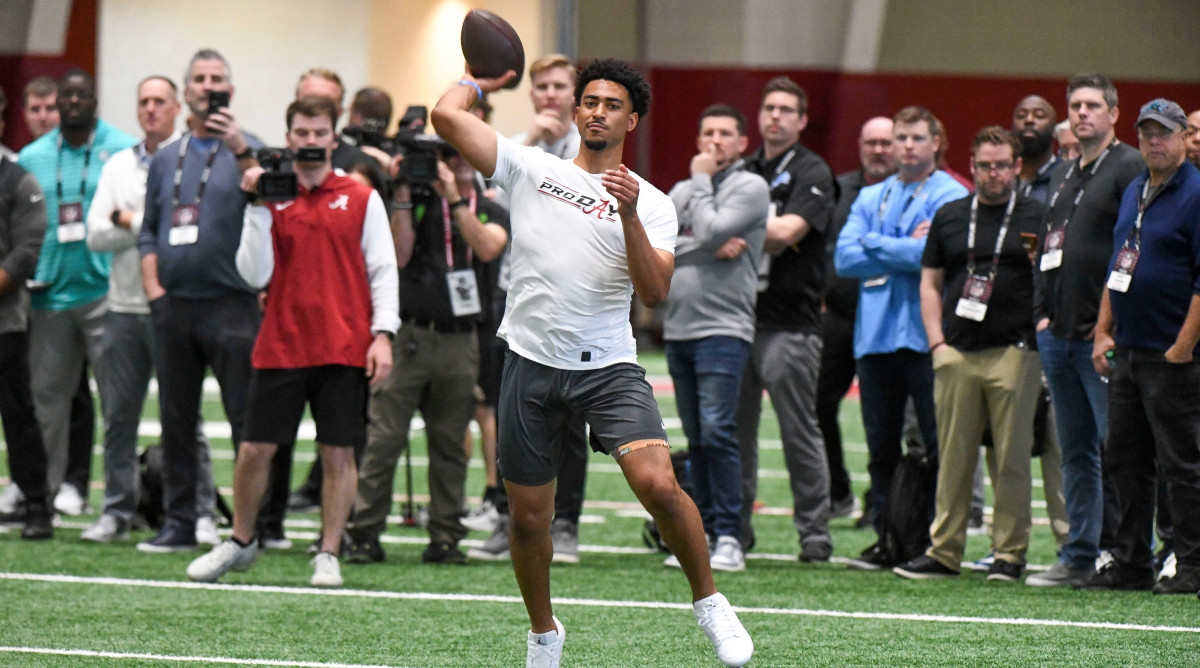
(909, 507)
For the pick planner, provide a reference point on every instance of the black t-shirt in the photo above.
(424, 294)
(841, 294)
(802, 184)
(345, 157)
(1009, 317)
(1070, 295)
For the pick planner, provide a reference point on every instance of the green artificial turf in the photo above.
(799, 614)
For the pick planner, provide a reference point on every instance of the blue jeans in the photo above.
(1080, 399)
(707, 374)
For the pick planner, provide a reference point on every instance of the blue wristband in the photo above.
(474, 85)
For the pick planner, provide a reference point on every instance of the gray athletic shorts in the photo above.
(537, 401)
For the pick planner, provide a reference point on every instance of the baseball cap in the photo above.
(1164, 111)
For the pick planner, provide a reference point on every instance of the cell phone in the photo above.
(1029, 240)
(217, 99)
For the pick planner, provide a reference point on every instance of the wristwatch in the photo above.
(455, 205)
(246, 153)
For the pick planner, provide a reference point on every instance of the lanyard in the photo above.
(1136, 233)
(783, 163)
(447, 228)
(87, 160)
(888, 193)
(212, 156)
(1079, 195)
(1012, 200)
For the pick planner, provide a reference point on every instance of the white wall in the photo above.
(268, 43)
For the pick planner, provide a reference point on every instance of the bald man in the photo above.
(1033, 124)
(841, 301)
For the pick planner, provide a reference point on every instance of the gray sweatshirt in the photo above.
(22, 227)
(712, 297)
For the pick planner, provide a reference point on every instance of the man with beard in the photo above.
(1193, 138)
(976, 305)
(1033, 124)
(70, 300)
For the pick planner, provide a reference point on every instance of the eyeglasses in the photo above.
(783, 110)
(994, 166)
(1156, 135)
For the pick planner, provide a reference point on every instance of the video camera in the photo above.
(278, 183)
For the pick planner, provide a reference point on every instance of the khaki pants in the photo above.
(436, 373)
(972, 389)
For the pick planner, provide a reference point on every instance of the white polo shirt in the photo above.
(570, 292)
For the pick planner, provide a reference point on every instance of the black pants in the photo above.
(837, 373)
(81, 435)
(26, 452)
(1154, 420)
(194, 335)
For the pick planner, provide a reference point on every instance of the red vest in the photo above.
(319, 300)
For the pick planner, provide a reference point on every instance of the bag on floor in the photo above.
(909, 507)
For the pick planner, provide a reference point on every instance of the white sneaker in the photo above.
(728, 555)
(484, 518)
(106, 529)
(672, 562)
(543, 650)
(11, 498)
(1169, 569)
(206, 531)
(722, 626)
(327, 572)
(228, 556)
(69, 501)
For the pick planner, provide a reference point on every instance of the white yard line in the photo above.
(50, 651)
(597, 603)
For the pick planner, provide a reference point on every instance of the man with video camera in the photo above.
(320, 242)
(445, 230)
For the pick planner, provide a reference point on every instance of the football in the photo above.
(491, 46)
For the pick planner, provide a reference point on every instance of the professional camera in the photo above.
(277, 183)
(371, 133)
(421, 155)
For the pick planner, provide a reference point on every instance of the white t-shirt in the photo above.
(569, 297)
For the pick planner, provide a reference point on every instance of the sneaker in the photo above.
(228, 556)
(1183, 582)
(273, 538)
(984, 565)
(106, 529)
(1169, 564)
(975, 525)
(326, 571)
(1004, 571)
(544, 650)
(39, 522)
(483, 518)
(924, 568)
(847, 507)
(565, 537)
(872, 559)
(816, 551)
(11, 499)
(1105, 558)
(69, 501)
(443, 552)
(301, 501)
(206, 531)
(495, 548)
(1060, 574)
(170, 538)
(1116, 577)
(673, 562)
(724, 629)
(727, 556)
(364, 549)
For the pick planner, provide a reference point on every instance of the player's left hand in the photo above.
(622, 185)
(379, 359)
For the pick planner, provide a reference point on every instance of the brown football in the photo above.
(491, 46)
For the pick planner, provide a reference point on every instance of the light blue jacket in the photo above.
(887, 260)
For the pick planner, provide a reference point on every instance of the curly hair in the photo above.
(620, 73)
